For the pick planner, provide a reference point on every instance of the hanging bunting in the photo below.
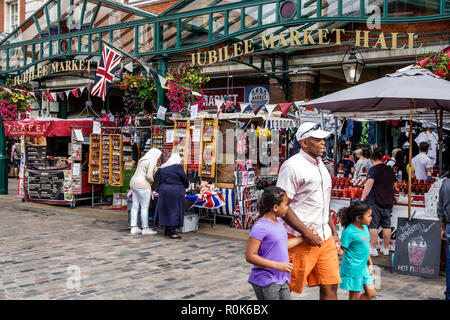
(162, 80)
(172, 86)
(75, 92)
(285, 107)
(270, 108)
(129, 67)
(61, 95)
(256, 108)
(54, 96)
(219, 103)
(196, 94)
(49, 97)
(245, 107)
(299, 103)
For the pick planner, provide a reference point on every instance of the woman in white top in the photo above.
(141, 186)
(360, 164)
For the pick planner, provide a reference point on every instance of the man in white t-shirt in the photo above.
(432, 139)
(422, 163)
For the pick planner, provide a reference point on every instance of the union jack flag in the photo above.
(105, 72)
(209, 200)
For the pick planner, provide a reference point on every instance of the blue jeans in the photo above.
(447, 263)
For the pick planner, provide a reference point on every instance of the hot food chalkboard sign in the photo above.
(418, 247)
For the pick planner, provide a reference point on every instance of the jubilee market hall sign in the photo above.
(293, 39)
(55, 67)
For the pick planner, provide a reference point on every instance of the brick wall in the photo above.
(2, 15)
(22, 11)
(159, 7)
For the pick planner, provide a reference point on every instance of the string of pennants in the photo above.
(53, 96)
(231, 106)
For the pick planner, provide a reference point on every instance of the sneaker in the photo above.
(374, 252)
(136, 230)
(149, 231)
(385, 251)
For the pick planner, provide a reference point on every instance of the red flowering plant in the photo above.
(182, 81)
(438, 63)
(15, 103)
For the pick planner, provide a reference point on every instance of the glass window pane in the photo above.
(16, 58)
(218, 25)
(46, 51)
(55, 47)
(89, 12)
(234, 21)
(124, 39)
(29, 54)
(85, 43)
(42, 20)
(194, 30)
(169, 34)
(350, 8)
(269, 13)
(37, 52)
(145, 38)
(251, 17)
(74, 44)
(2, 60)
(330, 8)
(409, 8)
(52, 8)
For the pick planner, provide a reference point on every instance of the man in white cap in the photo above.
(307, 183)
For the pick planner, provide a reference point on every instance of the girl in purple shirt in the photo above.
(267, 248)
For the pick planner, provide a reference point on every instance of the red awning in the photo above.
(50, 128)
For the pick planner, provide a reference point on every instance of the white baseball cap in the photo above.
(311, 129)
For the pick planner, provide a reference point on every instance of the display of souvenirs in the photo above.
(208, 147)
(116, 167)
(168, 144)
(105, 151)
(181, 140)
(194, 158)
(94, 159)
(157, 141)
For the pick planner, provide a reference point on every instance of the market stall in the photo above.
(53, 159)
(411, 90)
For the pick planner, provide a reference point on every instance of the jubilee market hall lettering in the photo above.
(55, 67)
(247, 46)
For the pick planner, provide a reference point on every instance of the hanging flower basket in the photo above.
(437, 62)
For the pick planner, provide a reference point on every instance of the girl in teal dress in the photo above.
(356, 266)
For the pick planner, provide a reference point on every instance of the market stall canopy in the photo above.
(392, 92)
(50, 128)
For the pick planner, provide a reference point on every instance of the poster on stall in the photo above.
(96, 127)
(20, 188)
(76, 145)
(418, 248)
(76, 178)
(161, 115)
(169, 136)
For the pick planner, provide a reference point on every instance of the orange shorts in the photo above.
(318, 265)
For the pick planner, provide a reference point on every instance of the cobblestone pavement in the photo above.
(39, 251)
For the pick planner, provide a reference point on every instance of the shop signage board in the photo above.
(364, 39)
(257, 95)
(45, 185)
(418, 248)
(236, 94)
(77, 139)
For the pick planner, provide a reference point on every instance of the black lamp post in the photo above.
(352, 66)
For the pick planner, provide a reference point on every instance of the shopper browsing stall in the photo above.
(172, 192)
(422, 164)
(141, 186)
(361, 164)
(379, 189)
